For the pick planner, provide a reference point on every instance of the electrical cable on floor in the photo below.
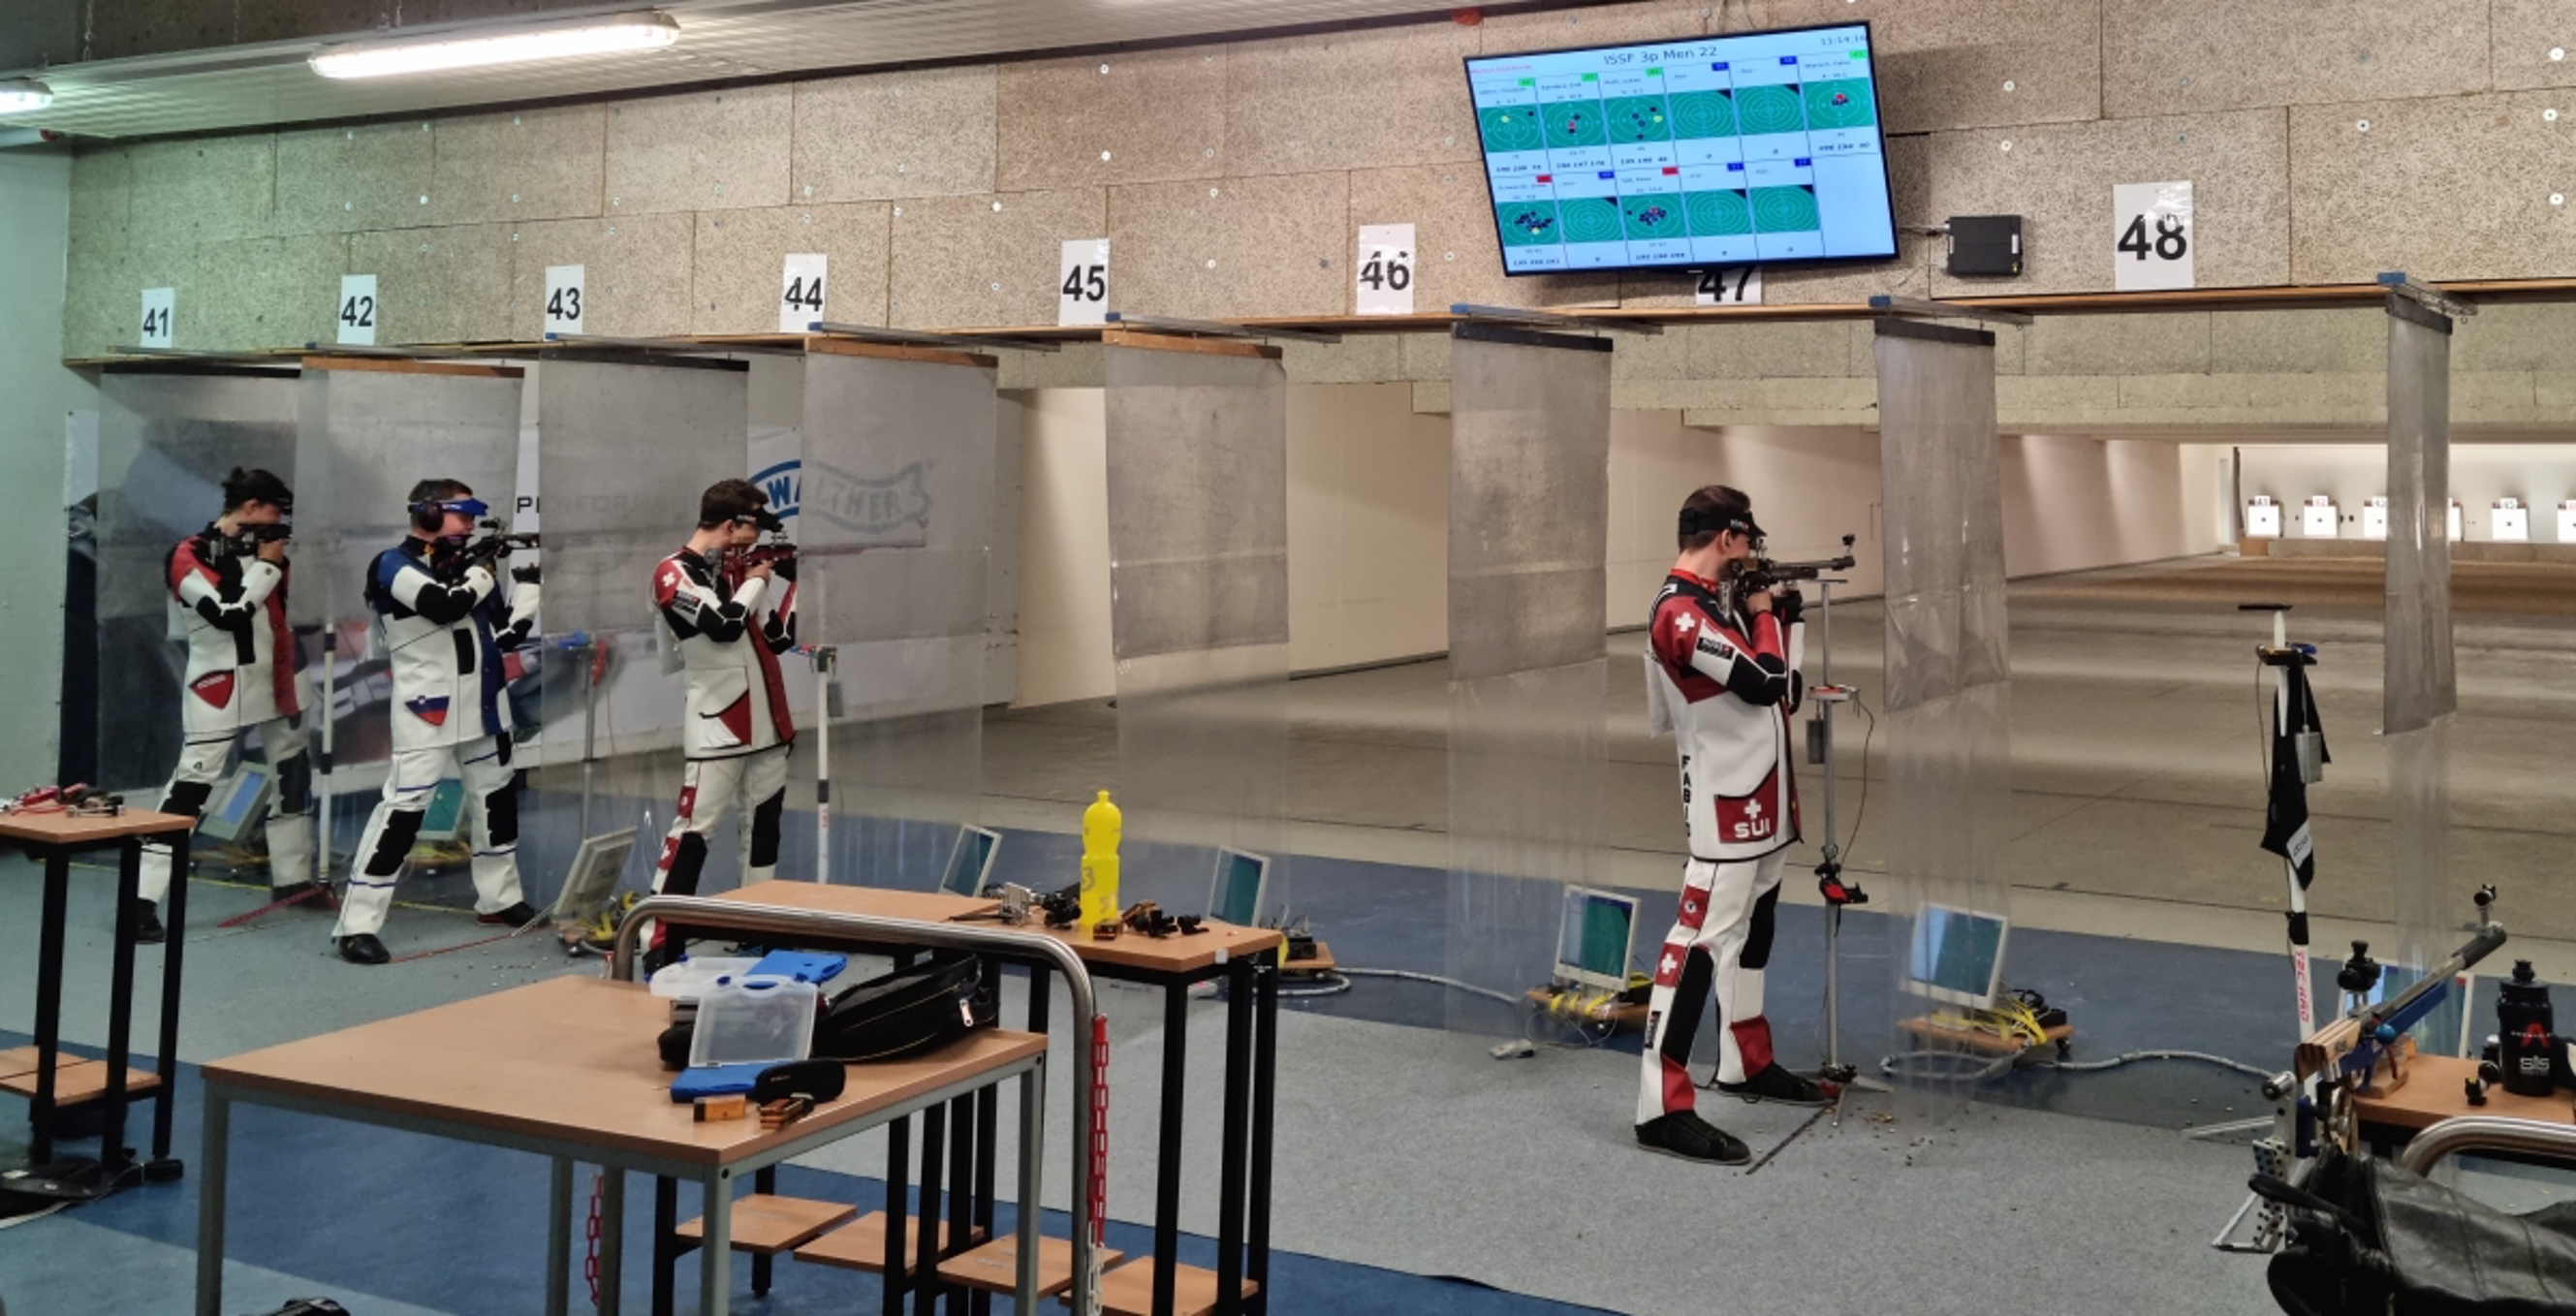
(1436, 980)
(1897, 1065)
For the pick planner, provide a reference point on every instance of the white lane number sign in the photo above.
(1082, 293)
(800, 293)
(357, 314)
(1741, 286)
(2152, 236)
(1385, 270)
(564, 299)
(156, 317)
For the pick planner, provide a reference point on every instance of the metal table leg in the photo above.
(715, 1248)
(925, 1268)
(558, 1236)
(1167, 1170)
(988, 1127)
(1265, 1094)
(1238, 1101)
(666, 1245)
(763, 1180)
(49, 1004)
(612, 1241)
(897, 1206)
(1032, 1148)
(112, 1160)
(961, 1190)
(214, 1155)
(163, 1167)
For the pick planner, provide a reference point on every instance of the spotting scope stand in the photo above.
(1829, 865)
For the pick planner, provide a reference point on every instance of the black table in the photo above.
(54, 838)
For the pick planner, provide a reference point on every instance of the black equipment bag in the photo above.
(928, 1005)
(2368, 1235)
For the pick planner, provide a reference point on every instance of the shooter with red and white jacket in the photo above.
(228, 599)
(1722, 677)
(727, 617)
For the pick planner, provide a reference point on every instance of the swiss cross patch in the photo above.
(1668, 970)
(666, 584)
(428, 708)
(1685, 623)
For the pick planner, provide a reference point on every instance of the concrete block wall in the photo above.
(1231, 178)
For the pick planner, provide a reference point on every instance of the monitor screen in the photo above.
(969, 861)
(1957, 954)
(1238, 888)
(1592, 939)
(1750, 148)
(233, 809)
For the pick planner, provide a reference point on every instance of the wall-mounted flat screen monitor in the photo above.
(1749, 148)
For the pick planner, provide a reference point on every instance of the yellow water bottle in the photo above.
(1101, 825)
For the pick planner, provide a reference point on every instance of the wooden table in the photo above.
(567, 1069)
(2437, 1089)
(1247, 959)
(55, 838)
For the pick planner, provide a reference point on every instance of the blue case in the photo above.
(800, 966)
(716, 1080)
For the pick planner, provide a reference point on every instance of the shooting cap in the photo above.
(766, 520)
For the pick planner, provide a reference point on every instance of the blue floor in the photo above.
(310, 1198)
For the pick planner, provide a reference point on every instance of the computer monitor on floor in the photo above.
(970, 861)
(1958, 956)
(1594, 937)
(1240, 888)
(239, 802)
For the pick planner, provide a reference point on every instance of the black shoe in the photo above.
(1779, 1085)
(1684, 1134)
(144, 917)
(303, 893)
(519, 915)
(362, 949)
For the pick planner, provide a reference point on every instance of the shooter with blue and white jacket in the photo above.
(443, 617)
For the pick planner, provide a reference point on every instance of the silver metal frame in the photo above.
(738, 916)
(2488, 1133)
(2430, 298)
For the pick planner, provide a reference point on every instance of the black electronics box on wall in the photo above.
(1985, 245)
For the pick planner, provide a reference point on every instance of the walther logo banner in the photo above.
(892, 512)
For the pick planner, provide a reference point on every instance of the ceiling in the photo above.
(256, 85)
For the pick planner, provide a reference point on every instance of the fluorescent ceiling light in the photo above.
(19, 95)
(648, 30)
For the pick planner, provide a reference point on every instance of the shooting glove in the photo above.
(1788, 603)
(527, 575)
